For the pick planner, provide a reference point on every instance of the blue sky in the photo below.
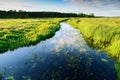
(99, 7)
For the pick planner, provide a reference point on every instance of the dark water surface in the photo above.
(65, 56)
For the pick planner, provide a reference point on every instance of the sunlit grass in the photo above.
(101, 33)
(16, 33)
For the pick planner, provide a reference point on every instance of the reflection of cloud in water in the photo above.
(67, 36)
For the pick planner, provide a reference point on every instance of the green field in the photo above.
(102, 34)
(16, 33)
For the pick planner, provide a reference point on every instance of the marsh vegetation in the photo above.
(16, 33)
(102, 34)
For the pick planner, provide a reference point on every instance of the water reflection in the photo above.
(63, 57)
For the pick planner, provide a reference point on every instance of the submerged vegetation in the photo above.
(101, 33)
(16, 33)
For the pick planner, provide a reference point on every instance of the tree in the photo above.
(25, 14)
(91, 15)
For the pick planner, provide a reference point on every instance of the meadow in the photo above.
(101, 34)
(16, 33)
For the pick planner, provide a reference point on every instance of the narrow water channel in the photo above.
(66, 56)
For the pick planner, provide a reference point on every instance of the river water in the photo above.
(65, 56)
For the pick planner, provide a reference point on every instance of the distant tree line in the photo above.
(25, 14)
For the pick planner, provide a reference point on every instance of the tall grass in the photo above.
(16, 33)
(101, 33)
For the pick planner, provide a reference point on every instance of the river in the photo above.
(65, 56)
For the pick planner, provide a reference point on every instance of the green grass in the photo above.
(102, 34)
(16, 33)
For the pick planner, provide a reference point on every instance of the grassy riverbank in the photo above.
(16, 33)
(101, 33)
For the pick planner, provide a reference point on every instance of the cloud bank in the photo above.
(14, 4)
(97, 4)
(99, 7)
